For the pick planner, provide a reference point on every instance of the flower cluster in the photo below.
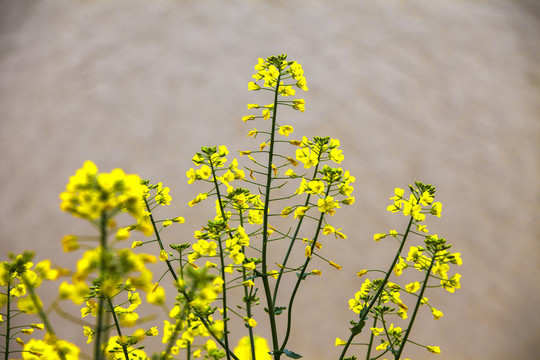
(90, 194)
(19, 279)
(381, 298)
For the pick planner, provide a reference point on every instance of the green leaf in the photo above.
(291, 354)
(357, 328)
(303, 275)
(279, 309)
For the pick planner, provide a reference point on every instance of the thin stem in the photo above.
(8, 318)
(172, 340)
(222, 260)
(247, 296)
(365, 311)
(371, 338)
(267, 291)
(118, 330)
(301, 276)
(39, 308)
(293, 239)
(98, 353)
(158, 238)
(417, 306)
(185, 294)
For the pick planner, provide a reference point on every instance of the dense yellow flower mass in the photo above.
(90, 194)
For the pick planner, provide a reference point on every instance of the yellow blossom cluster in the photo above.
(90, 194)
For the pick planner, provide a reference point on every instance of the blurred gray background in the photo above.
(446, 92)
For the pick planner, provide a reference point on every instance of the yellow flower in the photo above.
(253, 86)
(122, 234)
(243, 349)
(426, 198)
(26, 305)
(339, 235)
(299, 104)
(136, 244)
(163, 255)
(203, 247)
(327, 205)
(307, 157)
(251, 322)
(331, 263)
(300, 211)
(441, 269)
(378, 237)
(290, 173)
(286, 130)
(412, 287)
(455, 259)
(70, 243)
(236, 254)
(89, 333)
(156, 296)
(437, 314)
(328, 229)
(361, 273)
(315, 187)
(452, 284)
(436, 209)
(336, 156)
(434, 349)
(198, 199)
(18, 290)
(339, 342)
(286, 211)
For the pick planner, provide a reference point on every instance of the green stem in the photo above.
(247, 296)
(417, 306)
(39, 308)
(293, 239)
(301, 276)
(185, 294)
(222, 261)
(267, 291)
(207, 326)
(8, 318)
(118, 330)
(98, 353)
(158, 238)
(371, 338)
(172, 340)
(385, 281)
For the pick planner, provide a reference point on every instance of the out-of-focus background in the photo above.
(446, 92)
